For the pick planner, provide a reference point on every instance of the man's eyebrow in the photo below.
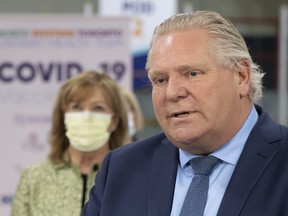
(180, 68)
(183, 68)
(153, 72)
(186, 67)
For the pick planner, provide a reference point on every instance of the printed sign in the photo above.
(145, 15)
(38, 53)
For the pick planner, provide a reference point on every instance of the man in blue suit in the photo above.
(205, 91)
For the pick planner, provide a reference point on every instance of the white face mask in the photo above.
(87, 131)
(131, 124)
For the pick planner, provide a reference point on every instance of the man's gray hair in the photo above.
(227, 44)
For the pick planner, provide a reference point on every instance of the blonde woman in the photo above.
(89, 119)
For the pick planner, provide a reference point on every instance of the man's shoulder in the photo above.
(144, 148)
(267, 125)
(151, 142)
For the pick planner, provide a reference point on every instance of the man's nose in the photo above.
(175, 89)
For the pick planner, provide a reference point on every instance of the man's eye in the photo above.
(159, 81)
(193, 73)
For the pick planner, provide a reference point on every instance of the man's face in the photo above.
(197, 102)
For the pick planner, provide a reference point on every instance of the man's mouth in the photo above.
(180, 114)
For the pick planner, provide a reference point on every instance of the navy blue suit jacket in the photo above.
(138, 179)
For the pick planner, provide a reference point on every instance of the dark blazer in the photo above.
(138, 179)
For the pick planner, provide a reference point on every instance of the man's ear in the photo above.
(244, 77)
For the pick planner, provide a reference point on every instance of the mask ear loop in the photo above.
(114, 123)
(131, 124)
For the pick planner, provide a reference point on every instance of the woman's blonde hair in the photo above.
(133, 103)
(80, 87)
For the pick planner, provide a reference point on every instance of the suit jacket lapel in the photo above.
(259, 151)
(162, 179)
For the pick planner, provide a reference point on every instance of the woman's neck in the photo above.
(85, 160)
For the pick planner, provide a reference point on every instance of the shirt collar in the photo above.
(230, 152)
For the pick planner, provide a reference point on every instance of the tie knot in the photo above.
(204, 165)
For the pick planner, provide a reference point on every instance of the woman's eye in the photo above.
(76, 107)
(99, 108)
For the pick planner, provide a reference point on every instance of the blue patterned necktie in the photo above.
(196, 197)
